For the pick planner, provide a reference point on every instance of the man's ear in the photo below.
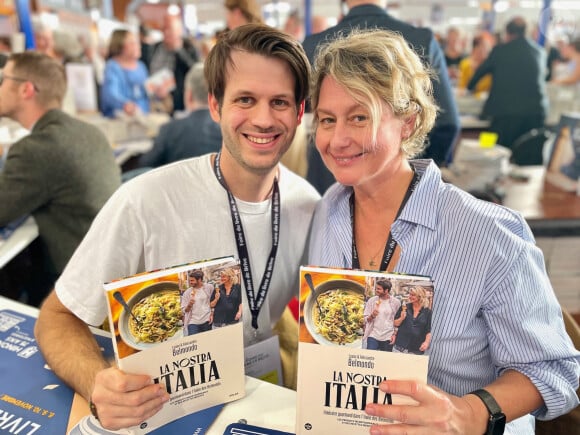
(301, 112)
(27, 90)
(214, 108)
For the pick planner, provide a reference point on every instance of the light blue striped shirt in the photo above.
(494, 307)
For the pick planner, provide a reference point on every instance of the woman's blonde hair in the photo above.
(231, 273)
(421, 294)
(378, 67)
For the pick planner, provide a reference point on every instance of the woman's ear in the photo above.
(408, 126)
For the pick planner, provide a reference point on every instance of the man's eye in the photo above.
(245, 100)
(280, 103)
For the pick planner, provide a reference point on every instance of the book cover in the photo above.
(161, 324)
(357, 329)
(32, 398)
(247, 429)
(563, 168)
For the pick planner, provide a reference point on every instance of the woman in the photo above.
(570, 51)
(467, 66)
(124, 78)
(379, 315)
(372, 105)
(413, 321)
(227, 300)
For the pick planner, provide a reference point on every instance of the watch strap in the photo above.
(488, 401)
(93, 408)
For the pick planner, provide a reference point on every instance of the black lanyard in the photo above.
(391, 244)
(255, 300)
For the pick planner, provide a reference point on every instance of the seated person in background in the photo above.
(195, 135)
(43, 39)
(571, 52)
(123, 88)
(479, 52)
(258, 81)
(63, 171)
(496, 323)
(453, 51)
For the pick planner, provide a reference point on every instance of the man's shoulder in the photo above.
(296, 185)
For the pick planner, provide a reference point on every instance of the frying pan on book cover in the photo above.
(125, 330)
(310, 306)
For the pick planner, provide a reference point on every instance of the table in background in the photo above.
(265, 404)
(18, 240)
(549, 210)
(554, 216)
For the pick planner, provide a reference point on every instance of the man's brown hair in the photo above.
(45, 73)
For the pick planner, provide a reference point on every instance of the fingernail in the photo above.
(375, 431)
(370, 409)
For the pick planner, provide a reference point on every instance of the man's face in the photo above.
(9, 92)
(172, 33)
(259, 115)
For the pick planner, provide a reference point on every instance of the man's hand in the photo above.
(124, 400)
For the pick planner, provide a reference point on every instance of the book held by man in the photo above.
(161, 323)
(357, 329)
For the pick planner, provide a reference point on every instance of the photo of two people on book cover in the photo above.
(368, 311)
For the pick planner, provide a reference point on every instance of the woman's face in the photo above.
(131, 47)
(413, 297)
(225, 278)
(344, 138)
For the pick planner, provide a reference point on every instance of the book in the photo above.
(32, 398)
(563, 168)
(247, 429)
(151, 315)
(345, 318)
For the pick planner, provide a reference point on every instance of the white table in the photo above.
(126, 149)
(20, 239)
(265, 404)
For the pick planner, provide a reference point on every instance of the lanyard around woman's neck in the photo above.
(391, 244)
(254, 300)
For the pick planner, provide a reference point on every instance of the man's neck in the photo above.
(353, 3)
(30, 116)
(244, 183)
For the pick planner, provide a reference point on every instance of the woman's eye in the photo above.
(360, 118)
(325, 121)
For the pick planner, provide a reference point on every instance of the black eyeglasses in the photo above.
(16, 79)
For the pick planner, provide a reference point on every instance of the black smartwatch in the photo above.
(496, 422)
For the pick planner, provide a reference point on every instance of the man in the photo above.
(61, 173)
(195, 304)
(240, 12)
(372, 14)
(176, 54)
(379, 315)
(517, 99)
(195, 135)
(258, 80)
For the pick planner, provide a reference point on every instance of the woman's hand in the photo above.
(436, 412)
(123, 400)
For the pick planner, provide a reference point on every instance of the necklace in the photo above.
(372, 262)
(391, 244)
